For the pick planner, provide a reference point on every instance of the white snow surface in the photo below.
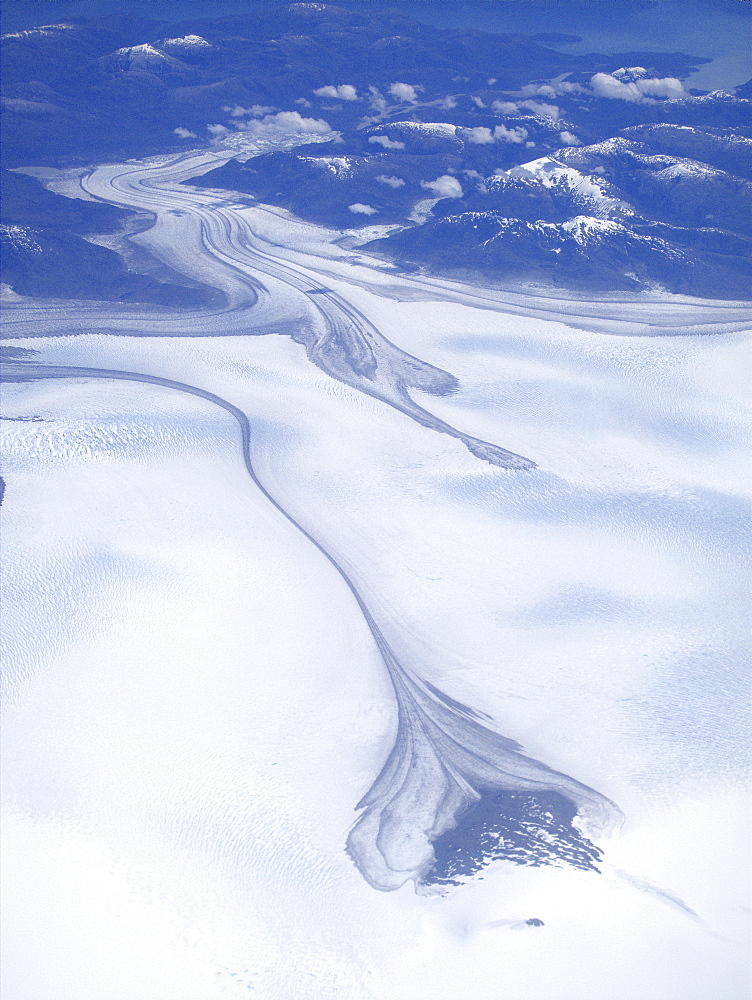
(139, 51)
(186, 42)
(549, 173)
(340, 166)
(194, 702)
(44, 30)
(440, 129)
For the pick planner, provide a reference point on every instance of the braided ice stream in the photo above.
(369, 581)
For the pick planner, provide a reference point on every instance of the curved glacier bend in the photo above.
(341, 340)
(447, 771)
(348, 347)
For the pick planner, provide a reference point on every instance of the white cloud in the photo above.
(667, 86)
(185, 133)
(327, 91)
(473, 175)
(360, 209)
(445, 186)
(504, 134)
(386, 142)
(217, 130)
(240, 112)
(569, 139)
(345, 92)
(404, 92)
(605, 85)
(505, 107)
(304, 102)
(491, 81)
(538, 90)
(635, 89)
(480, 135)
(448, 103)
(281, 125)
(550, 90)
(378, 101)
(544, 110)
(478, 102)
(393, 182)
(483, 136)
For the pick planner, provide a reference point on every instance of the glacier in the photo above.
(304, 580)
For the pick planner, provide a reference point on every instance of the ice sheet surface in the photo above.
(371, 636)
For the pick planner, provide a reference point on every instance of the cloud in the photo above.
(185, 133)
(360, 209)
(345, 92)
(326, 92)
(279, 126)
(568, 139)
(544, 110)
(551, 90)
(483, 136)
(378, 101)
(605, 85)
(240, 112)
(393, 182)
(480, 135)
(632, 88)
(404, 92)
(667, 86)
(541, 108)
(386, 142)
(503, 134)
(474, 175)
(538, 90)
(304, 102)
(505, 107)
(478, 102)
(445, 186)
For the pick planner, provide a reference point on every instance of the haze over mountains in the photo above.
(472, 153)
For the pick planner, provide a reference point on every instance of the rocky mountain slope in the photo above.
(479, 153)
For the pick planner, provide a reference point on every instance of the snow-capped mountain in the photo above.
(144, 58)
(439, 130)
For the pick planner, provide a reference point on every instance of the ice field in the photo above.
(294, 585)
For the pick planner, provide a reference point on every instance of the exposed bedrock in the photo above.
(443, 764)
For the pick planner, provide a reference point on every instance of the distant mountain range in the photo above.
(474, 153)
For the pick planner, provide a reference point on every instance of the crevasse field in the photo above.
(266, 562)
